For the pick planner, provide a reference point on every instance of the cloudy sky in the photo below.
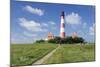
(31, 21)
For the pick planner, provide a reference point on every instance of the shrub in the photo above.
(39, 41)
(67, 40)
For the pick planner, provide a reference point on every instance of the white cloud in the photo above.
(31, 25)
(29, 34)
(54, 28)
(49, 24)
(22, 41)
(73, 18)
(24, 37)
(45, 24)
(52, 23)
(32, 10)
(92, 30)
(18, 38)
(84, 25)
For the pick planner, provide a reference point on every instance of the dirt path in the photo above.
(45, 57)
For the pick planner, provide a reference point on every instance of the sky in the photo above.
(31, 21)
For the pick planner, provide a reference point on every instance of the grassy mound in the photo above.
(72, 53)
(26, 54)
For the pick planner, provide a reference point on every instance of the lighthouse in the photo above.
(62, 26)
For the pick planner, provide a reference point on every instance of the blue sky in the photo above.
(31, 21)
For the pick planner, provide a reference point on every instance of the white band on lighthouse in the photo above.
(62, 20)
(62, 30)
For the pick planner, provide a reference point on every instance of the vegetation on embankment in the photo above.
(26, 54)
(73, 53)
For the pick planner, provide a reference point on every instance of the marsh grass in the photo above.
(72, 53)
(26, 54)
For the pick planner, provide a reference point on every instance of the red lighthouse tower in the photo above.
(62, 26)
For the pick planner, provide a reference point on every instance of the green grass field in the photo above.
(72, 53)
(27, 54)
